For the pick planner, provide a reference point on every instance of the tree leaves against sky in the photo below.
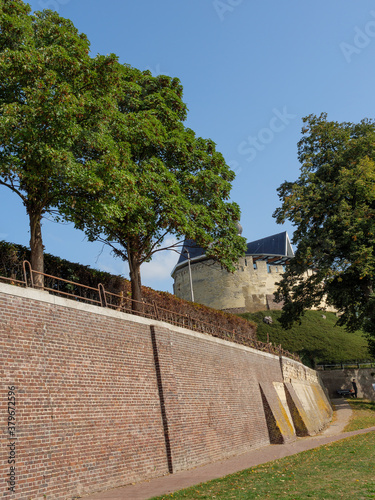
(55, 103)
(104, 145)
(332, 205)
(181, 183)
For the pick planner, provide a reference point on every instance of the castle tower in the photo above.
(250, 288)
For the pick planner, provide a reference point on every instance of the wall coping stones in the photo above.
(39, 295)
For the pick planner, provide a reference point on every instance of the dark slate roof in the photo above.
(193, 249)
(271, 246)
(277, 244)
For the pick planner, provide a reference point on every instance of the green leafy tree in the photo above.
(180, 184)
(332, 205)
(55, 105)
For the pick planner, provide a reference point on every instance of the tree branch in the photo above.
(15, 190)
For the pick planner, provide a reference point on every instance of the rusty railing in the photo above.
(121, 302)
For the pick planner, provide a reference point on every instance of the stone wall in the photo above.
(342, 379)
(245, 290)
(250, 288)
(103, 399)
(307, 397)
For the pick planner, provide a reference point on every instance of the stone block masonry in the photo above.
(246, 290)
(103, 399)
(250, 288)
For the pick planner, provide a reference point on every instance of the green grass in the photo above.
(363, 414)
(341, 470)
(344, 469)
(316, 340)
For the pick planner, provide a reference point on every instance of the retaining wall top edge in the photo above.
(41, 296)
(294, 361)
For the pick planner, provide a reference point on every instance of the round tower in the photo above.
(250, 288)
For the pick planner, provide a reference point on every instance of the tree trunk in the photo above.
(36, 247)
(135, 281)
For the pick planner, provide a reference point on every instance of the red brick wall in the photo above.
(104, 399)
(214, 406)
(87, 407)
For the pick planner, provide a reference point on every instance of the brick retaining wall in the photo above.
(104, 399)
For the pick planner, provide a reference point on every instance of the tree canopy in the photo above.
(55, 103)
(104, 145)
(180, 186)
(332, 206)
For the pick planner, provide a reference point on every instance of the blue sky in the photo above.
(250, 72)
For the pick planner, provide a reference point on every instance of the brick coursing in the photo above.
(87, 409)
(104, 399)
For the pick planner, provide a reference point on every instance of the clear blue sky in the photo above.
(250, 72)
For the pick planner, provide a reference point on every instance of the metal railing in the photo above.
(12, 281)
(60, 286)
(121, 302)
(346, 365)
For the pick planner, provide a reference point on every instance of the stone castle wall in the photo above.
(247, 290)
(103, 398)
(250, 288)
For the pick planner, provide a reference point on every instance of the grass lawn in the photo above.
(316, 339)
(363, 414)
(345, 469)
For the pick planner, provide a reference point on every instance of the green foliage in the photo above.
(15, 25)
(55, 104)
(180, 184)
(105, 145)
(315, 339)
(332, 205)
(12, 256)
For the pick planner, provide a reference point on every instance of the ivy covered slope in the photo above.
(316, 340)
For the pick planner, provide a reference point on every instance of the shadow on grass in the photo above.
(363, 414)
(362, 404)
